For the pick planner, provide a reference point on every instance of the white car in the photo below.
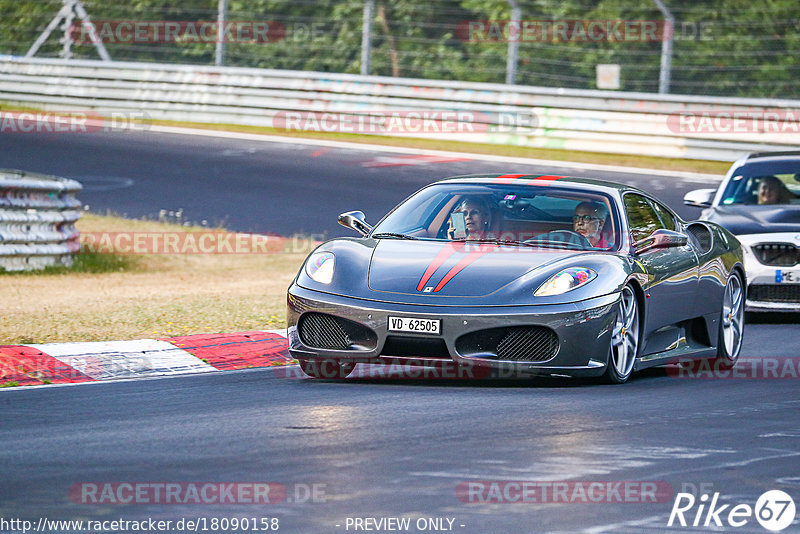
(759, 202)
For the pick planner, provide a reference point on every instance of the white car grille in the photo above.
(777, 254)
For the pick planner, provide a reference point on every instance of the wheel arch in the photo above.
(638, 291)
(739, 268)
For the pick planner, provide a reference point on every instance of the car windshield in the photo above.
(764, 185)
(528, 215)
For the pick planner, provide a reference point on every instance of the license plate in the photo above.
(787, 277)
(411, 324)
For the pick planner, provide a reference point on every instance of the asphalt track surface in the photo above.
(382, 447)
(256, 186)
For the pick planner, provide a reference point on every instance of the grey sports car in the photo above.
(544, 275)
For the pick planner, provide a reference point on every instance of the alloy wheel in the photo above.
(625, 335)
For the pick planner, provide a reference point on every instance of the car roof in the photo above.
(570, 182)
(759, 157)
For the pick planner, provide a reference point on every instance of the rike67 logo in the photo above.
(774, 510)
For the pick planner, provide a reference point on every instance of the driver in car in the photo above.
(772, 191)
(474, 212)
(588, 221)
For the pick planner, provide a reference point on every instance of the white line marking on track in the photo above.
(691, 176)
(414, 159)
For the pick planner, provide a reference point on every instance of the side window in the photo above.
(667, 220)
(642, 218)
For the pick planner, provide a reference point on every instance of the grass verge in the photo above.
(115, 296)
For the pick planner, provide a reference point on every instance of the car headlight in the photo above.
(320, 267)
(564, 281)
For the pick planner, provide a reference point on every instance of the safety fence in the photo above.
(673, 126)
(37, 220)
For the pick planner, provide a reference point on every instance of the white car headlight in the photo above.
(320, 267)
(564, 281)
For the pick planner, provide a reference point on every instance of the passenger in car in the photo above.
(589, 220)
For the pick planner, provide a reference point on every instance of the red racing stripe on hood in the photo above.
(462, 264)
(446, 251)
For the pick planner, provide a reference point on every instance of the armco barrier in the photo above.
(597, 121)
(37, 220)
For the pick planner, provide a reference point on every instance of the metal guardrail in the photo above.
(37, 220)
(570, 119)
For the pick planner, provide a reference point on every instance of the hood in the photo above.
(754, 219)
(457, 273)
(455, 269)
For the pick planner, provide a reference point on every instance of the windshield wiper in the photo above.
(562, 245)
(489, 240)
(393, 235)
(514, 242)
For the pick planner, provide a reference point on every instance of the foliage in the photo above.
(721, 47)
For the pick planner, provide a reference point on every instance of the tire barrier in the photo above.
(37, 220)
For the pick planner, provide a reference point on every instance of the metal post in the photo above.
(513, 42)
(366, 36)
(98, 44)
(67, 15)
(666, 48)
(61, 15)
(222, 12)
(66, 40)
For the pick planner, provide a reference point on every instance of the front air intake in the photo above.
(323, 331)
(515, 343)
(528, 343)
(789, 293)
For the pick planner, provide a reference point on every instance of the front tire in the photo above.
(326, 368)
(731, 324)
(624, 339)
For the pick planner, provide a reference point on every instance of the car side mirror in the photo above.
(700, 198)
(356, 221)
(661, 239)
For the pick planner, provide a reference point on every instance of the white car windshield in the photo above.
(763, 188)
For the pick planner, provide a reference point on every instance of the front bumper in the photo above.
(583, 330)
(767, 288)
(752, 305)
(765, 294)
